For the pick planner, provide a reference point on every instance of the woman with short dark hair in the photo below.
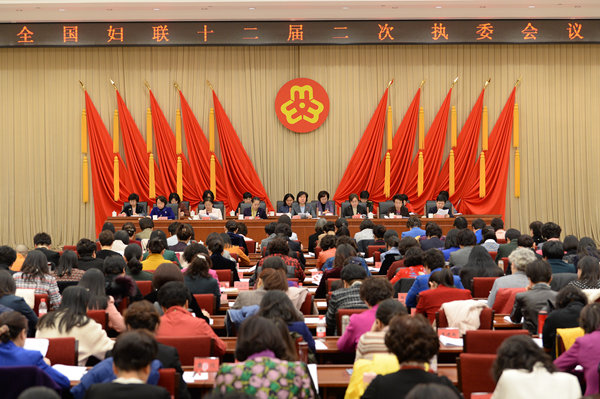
(266, 367)
(182, 208)
(441, 290)
(161, 210)
(523, 370)
(414, 342)
(288, 200)
(35, 275)
(323, 204)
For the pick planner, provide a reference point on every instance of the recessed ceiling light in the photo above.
(252, 8)
(345, 8)
(156, 9)
(61, 9)
(531, 6)
(438, 6)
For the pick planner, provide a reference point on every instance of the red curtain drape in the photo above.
(401, 154)
(167, 157)
(136, 154)
(238, 169)
(464, 154)
(497, 160)
(102, 161)
(359, 174)
(199, 153)
(433, 152)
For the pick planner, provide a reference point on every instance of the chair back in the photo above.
(278, 204)
(99, 316)
(16, 379)
(384, 208)
(207, 302)
(345, 204)
(482, 286)
(317, 252)
(487, 341)
(251, 244)
(62, 285)
(343, 312)
(371, 250)
(70, 248)
(403, 285)
(565, 338)
(428, 204)
(235, 256)
(175, 209)
(144, 206)
(474, 373)
(307, 305)
(225, 275)
(169, 380)
(37, 300)
(486, 319)
(501, 240)
(145, 287)
(330, 282)
(189, 347)
(506, 264)
(63, 351)
(505, 299)
(493, 254)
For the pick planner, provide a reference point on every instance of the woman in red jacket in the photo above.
(441, 290)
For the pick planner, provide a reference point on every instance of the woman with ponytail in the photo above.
(133, 256)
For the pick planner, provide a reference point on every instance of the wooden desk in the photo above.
(501, 324)
(302, 227)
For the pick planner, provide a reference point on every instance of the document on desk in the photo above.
(442, 212)
(447, 341)
(73, 373)
(37, 344)
(190, 376)
(312, 369)
(320, 345)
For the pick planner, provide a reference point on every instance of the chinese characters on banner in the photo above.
(305, 32)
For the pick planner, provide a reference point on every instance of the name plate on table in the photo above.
(206, 365)
(242, 285)
(449, 332)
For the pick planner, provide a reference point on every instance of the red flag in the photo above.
(464, 154)
(167, 157)
(199, 153)
(401, 154)
(238, 169)
(359, 174)
(497, 160)
(102, 161)
(137, 155)
(433, 152)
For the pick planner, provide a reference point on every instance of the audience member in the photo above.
(498, 225)
(392, 253)
(523, 370)
(365, 231)
(243, 259)
(451, 243)
(106, 239)
(155, 258)
(86, 251)
(570, 245)
(550, 232)
(489, 240)
(587, 247)
(67, 270)
(535, 229)
(22, 252)
(553, 253)
(13, 302)
(130, 229)
(35, 275)
(219, 262)
(184, 233)
(519, 259)
(134, 268)
(466, 241)
(347, 297)
(433, 232)
(412, 265)
(441, 290)
(414, 225)
(199, 281)
(504, 250)
(403, 246)
(7, 258)
(588, 274)
(373, 341)
(480, 264)
(93, 281)
(42, 242)
(231, 228)
(167, 254)
(146, 225)
(120, 243)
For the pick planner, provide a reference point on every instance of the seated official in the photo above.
(414, 224)
(441, 290)
(364, 200)
(440, 207)
(219, 262)
(288, 200)
(302, 208)
(177, 321)
(208, 195)
(255, 211)
(537, 297)
(266, 366)
(414, 342)
(246, 199)
(400, 206)
(132, 208)
(373, 341)
(323, 204)
(161, 211)
(133, 354)
(13, 333)
(522, 370)
(347, 297)
(183, 209)
(210, 211)
(355, 208)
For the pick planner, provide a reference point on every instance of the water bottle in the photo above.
(42, 308)
(345, 322)
(321, 327)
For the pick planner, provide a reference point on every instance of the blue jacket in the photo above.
(329, 264)
(13, 355)
(17, 303)
(414, 232)
(165, 212)
(301, 328)
(478, 236)
(422, 284)
(448, 251)
(103, 372)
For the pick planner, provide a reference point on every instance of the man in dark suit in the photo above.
(42, 242)
(132, 208)
(302, 207)
(132, 355)
(434, 237)
(7, 258)
(255, 211)
(512, 235)
(86, 251)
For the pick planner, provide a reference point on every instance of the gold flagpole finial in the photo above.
(422, 83)
(112, 82)
(391, 82)
(177, 86)
(454, 82)
(147, 85)
(82, 85)
(518, 81)
(209, 84)
(487, 82)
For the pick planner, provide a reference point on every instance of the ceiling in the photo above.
(149, 10)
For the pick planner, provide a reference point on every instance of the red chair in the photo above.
(343, 312)
(482, 286)
(501, 240)
(317, 252)
(330, 281)
(169, 380)
(98, 246)
(99, 316)
(189, 347)
(235, 256)
(145, 287)
(70, 248)
(251, 244)
(486, 319)
(371, 250)
(207, 302)
(63, 351)
(307, 305)
(474, 373)
(38, 299)
(225, 275)
(505, 299)
(487, 341)
(123, 305)
(506, 264)
(493, 254)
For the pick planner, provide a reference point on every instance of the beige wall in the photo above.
(41, 102)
